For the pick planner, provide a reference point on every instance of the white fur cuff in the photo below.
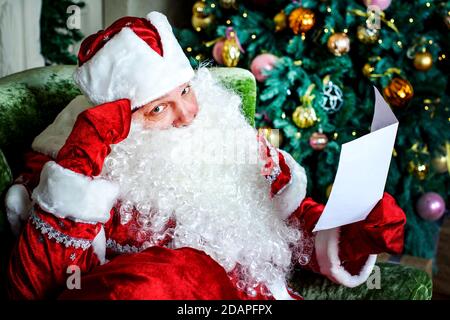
(327, 254)
(18, 205)
(67, 194)
(290, 197)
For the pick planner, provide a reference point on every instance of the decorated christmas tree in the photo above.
(58, 32)
(316, 63)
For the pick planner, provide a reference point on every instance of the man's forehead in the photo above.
(170, 92)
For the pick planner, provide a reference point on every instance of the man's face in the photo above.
(177, 108)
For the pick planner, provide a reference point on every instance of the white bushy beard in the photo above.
(222, 205)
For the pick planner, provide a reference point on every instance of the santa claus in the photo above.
(154, 186)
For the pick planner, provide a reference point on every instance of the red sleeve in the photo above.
(347, 254)
(46, 248)
(34, 161)
(71, 205)
(62, 235)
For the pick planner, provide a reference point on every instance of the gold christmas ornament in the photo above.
(228, 4)
(398, 92)
(304, 117)
(423, 61)
(231, 52)
(447, 21)
(201, 23)
(366, 35)
(274, 136)
(318, 141)
(198, 9)
(368, 69)
(301, 20)
(338, 43)
(418, 168)
(439, 164)
(280, 21)
(200, 20)
(441, 161)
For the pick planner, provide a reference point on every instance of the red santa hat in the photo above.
(135, 58)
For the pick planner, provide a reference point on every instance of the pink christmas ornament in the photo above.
(382, 4)
(264, 61)
(217, 51)
(430, 206)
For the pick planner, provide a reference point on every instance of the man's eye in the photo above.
(186, 90)
(158, 109)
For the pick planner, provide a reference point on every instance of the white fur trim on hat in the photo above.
(128, 68)
(67, 194)
(290, 197)
(327, 254)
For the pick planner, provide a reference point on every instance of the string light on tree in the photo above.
(200, 57)
(374, 53)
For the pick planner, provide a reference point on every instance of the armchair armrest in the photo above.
(243, 83)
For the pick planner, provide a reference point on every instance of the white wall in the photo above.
(20, 30)
(176, 10)
(19, 35)
(98, 14)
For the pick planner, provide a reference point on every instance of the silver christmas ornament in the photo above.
(332, 98)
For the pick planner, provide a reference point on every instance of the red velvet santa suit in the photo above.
(49, 244)
(75, 220)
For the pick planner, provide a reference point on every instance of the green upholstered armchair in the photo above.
(30, 100)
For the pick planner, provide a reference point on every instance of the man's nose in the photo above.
(186, 113)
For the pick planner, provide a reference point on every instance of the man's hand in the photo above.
(381, 231)
(94, 131)
(275, 168)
